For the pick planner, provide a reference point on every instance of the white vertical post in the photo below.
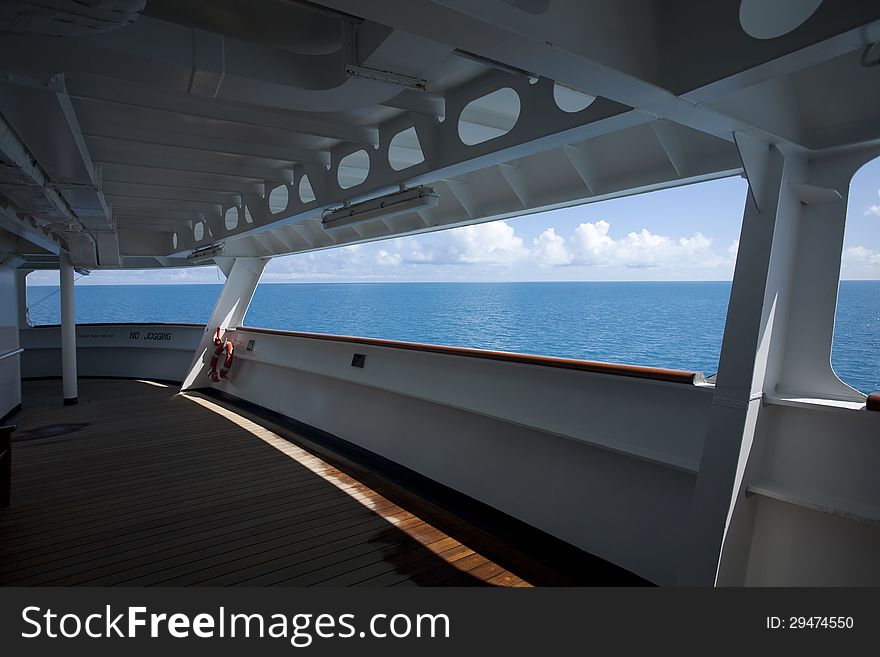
(21, 291)
(758, 301)
(242, 277)
(803, 368)
(68, 330)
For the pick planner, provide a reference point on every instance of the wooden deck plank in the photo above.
(139, 486)
(180, 510)
(278, 509)
(236, 566)
(188, 560)
(109, 557)
(78, 510)
(416, 569)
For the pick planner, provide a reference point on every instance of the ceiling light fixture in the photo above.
(382, 207)
(206, 252)
(388, 77)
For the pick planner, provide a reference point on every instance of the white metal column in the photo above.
(242, 277)
(21, 291)
(68, 330)
(756, 296)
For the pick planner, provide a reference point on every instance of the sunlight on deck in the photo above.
(401, 519)
(141, 486)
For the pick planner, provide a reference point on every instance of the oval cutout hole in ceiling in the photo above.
(231, 218)
(353, 169)
(768, 20)
(199, 231)
(405, 151)
(570, 100)
(174, 240)
(306, 195)
(489, 117)
(278, 199)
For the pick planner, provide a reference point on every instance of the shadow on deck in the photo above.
(139, 486)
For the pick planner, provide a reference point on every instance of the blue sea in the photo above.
(677, 325)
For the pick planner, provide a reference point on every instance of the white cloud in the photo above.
(860, 262)
(494, 243)
(642, 249)
(861, 255)
(158, 275)
(873, 209)
(388, 259)
(348, 262)
(733, 250)
(592, 245)
(550, 249)
(494, 251)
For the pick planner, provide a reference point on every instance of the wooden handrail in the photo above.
(873, 402)
(633, 371)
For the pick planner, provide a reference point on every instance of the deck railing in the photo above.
(633, 371)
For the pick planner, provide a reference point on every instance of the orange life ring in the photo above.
(227, 363)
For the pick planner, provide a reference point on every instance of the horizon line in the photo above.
(392, 282)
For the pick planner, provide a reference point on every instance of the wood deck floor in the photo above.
(139, 486)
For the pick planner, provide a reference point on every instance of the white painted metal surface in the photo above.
(242, 278)
(68, 330)
(117, 151)
(139, 351)
(152, 146)
(10, 374)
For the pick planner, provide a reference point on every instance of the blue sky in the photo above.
(685, 233)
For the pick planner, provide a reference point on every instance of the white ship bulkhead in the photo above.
(176, 132)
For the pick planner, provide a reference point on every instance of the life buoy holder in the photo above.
(221, 346)
(227, 362)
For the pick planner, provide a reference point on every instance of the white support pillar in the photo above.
(758, 307)
(799, 314)
(24, 320)
(242, 277)
(803, 367)
(68, 331)
(10, 367)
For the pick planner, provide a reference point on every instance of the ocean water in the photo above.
(677, 325)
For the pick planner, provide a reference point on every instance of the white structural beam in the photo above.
(24, 320)
(42, 117)
(231, 116)
(801, 363)
(28, 230)
(559, 177)
(610, 49)
(792, 362)
(253, 73)
(744, 352)
(108, 135)
(778, 334)
(242, 278)
(541, 127)
(25, 181)
(229, 120)
(68, 331)
(183, 160)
